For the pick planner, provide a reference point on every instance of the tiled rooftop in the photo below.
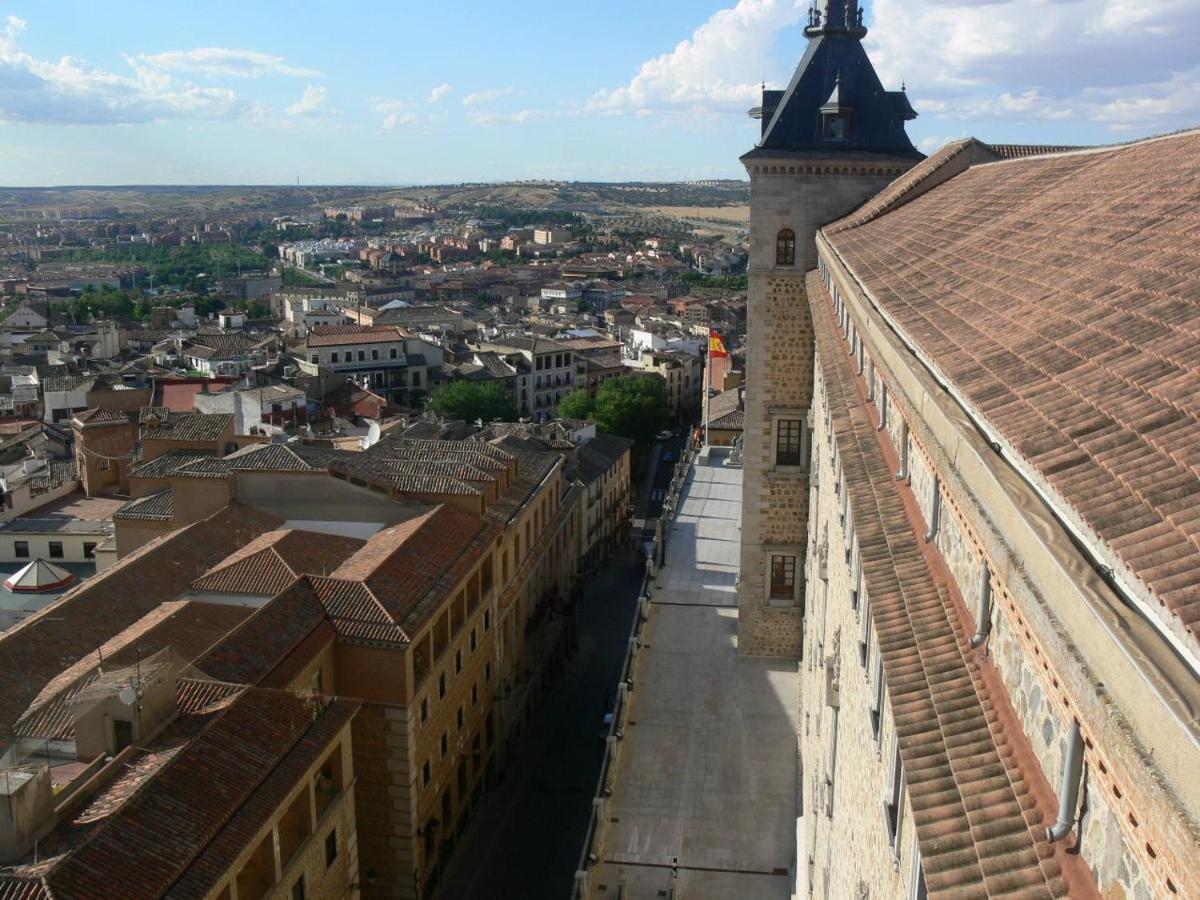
(979, 805)
(1060, 295)
(37, 649)
(274, 560)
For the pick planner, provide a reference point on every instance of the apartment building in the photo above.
(547, 371)
(430, 580)
(683, 374)
(388, 360)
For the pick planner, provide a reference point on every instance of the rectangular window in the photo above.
(442, 686)
(788, 442)
(424, 710)
(475, 695)
(445, 745)
(426, 773)
(315, 359)
(331, 847)
(891, 806)
(56, 550)
(21, 549)
(333, 356)
(298, 889)
(783, 578)
(362, 356)
(487, 673)
(374, 354)
(460, 718)
(457, 661)
(474, 640)
(487, 620)
(877, 704)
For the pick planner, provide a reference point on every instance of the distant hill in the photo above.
(239, 201)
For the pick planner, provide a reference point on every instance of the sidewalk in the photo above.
(705, 796)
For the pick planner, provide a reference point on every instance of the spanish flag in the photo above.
(716, 345)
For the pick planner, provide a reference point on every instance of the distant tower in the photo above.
(829, 142)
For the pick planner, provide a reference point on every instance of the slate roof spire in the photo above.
(835, 101)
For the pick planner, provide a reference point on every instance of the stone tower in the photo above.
(830, 141)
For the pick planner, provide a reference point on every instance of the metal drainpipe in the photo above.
(983, 624)
(1068, 794)
(935, 508)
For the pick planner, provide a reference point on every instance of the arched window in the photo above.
(785, 248)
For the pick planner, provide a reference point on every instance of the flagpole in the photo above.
(707, 383)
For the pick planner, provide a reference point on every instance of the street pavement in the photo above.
(705, 794)
(524, 843)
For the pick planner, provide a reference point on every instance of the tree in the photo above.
(634, 407)
(577, 405)
(470, 400)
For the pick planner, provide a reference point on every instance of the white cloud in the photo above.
(71, 92)
(520, 117)
(718, 69)
(402, 114)
(223, 61)
(488, 95)
(440, 93)
(311, 102)
(1121, 63)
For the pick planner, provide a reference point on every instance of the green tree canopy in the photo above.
(576, 405)
(469, 400)
(634, 407)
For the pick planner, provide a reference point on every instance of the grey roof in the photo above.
(835, 68)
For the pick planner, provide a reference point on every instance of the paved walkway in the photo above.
(707, 774)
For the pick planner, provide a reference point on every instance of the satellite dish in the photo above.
(127, 695)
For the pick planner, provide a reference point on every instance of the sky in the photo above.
(266, 92)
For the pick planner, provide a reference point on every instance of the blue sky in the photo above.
(264, 92)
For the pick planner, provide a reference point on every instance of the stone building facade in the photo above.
(803, 174)
(969, 656)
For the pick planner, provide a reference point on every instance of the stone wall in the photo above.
(801, 197)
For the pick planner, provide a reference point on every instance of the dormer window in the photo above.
(837, 127)
(785, 248)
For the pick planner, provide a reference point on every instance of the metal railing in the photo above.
(593, 843)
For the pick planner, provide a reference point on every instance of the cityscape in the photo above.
(763, 468)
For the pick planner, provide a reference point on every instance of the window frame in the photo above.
(785, 248)
(779, 600)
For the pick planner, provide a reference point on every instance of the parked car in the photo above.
(665, 435)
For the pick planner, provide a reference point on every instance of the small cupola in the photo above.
(836, 117)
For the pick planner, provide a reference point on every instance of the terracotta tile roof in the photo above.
(190, 427)
(274, 560)
(1060, 296)
(94, 418)
(157, 507)
(252, 650)
(323, 336)
(979, 813)
(188, 627)
(186, 807)
(403, 564)
(162, 466)
(37, 649)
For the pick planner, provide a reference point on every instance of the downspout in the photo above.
(983, 622)
(935, 508)
(1068, 794)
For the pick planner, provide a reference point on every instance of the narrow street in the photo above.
(524, 843)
